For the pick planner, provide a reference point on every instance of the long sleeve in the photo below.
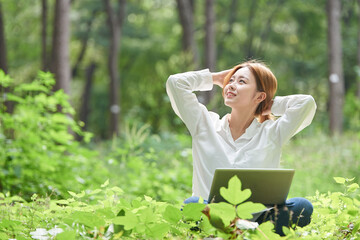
(180, 88)
(295, 113)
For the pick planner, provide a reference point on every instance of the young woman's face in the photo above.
(241, 91)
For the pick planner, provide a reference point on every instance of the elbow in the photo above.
(171, 82)
(311, 104)
(310, 109)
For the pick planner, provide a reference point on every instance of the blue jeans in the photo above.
(295, 211)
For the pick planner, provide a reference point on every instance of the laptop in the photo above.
(268, 186)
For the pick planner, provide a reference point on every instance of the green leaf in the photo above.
(62, 202)
(147, 198)
(105, 183)
(10, 224)
(14, 98)
(172, 214)
(67, 235)
(356, 228)
(147, 215)
(88, 219)
(349, 179)
(72, 194)
(96, 191)
(352, 187)
(265, 231)
(233, 193)
(192, 211)
(106, 213)
(340, 180)
(225, 211)
(5, 80)
(207, 227)
(4, 236)
(158, 230)
(246, 209)
(129, 221)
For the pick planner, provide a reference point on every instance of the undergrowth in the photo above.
(106, 213)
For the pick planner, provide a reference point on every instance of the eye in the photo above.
(231, 80)
(241, 81)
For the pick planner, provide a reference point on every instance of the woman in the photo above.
(248, 137)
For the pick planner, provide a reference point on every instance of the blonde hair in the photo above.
(265, 82)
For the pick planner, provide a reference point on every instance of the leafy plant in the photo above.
(336, 214)
(108, 213)
(38, 151)
(149, 164)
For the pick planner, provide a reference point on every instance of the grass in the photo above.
(319, 158)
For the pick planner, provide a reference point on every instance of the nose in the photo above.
(232, 86)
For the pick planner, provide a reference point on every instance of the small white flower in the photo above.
(54, 231)
(244, 224)
(40, 233)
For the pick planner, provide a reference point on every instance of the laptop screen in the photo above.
(268, 186)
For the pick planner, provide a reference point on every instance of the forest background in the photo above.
(112, 59)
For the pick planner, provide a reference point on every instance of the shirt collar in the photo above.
(249, 132)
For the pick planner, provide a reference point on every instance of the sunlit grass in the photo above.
(319, 158)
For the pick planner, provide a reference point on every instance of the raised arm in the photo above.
(218, 77)
(295, 113)
(180, 88)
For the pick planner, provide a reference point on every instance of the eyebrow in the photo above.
(241, 76)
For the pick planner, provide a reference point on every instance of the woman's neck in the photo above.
(239, 122)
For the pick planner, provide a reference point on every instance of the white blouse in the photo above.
(212, 143)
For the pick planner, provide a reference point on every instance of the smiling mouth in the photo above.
(230, 94)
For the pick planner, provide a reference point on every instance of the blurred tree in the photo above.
(186, 16)
(85, 99)
(44, 20)
(210, 44)
(229, 26)
(84, 42)
(267, 28)
(60, 64)
(358, 54)
(336, 81)
(115, 22)
(248, 47)
(3, 60)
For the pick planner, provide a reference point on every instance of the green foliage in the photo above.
(352, 112)
(148, 164)
(106, 213)
(39, 153)
(336, 214)
(316, 157)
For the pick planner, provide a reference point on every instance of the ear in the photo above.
(261, 96)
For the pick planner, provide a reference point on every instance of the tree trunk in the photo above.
(3, 63)
(358, 55)
(3, 58)
(44, 53)
(250, 32)
(115, 25)
(85, 105)
(336, 81)
(185, 10)
(84, 45)
(60, 65)
(3, 66)
(210, 46)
